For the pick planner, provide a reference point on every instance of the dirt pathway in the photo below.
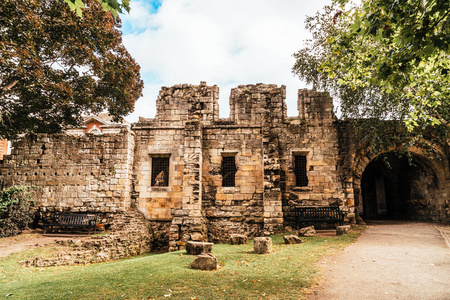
(391, 260)
(28, 239)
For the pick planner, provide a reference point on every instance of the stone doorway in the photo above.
(398, 187)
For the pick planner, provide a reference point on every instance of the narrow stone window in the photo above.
(228, 170)
(301, 178)
(160, 171)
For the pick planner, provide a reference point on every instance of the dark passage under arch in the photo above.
(398, 187)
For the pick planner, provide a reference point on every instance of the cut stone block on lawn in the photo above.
(238, 239)
(288, 229)
(206, 262)
(340, 230)
(307, 231)
(262, 245)
(196, 248)
(292, 239)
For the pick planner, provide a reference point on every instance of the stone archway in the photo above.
(398, 187)
(392, 186)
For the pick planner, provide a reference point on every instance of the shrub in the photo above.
(15, 209)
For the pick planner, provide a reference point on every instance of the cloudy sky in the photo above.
(222, 42)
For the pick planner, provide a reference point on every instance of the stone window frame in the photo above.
(234, 154)
(307, 154)
(167, 177)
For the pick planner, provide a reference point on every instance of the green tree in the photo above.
(401, 48)
(56, 66)
(113, 6)
(16, 209)
(349, 64)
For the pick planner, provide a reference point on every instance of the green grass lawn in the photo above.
(285, 274)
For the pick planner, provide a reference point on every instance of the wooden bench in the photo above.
(74, 220)
(318, 214)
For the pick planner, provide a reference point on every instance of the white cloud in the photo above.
(221, 42)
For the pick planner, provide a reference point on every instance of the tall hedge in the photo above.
(16, 209)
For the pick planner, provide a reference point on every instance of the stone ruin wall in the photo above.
(176, 133)
(156, 202)
(313, 134)
(74, 174)
(112, 173)
(238, 209)
(187, 128)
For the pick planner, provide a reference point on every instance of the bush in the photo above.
(15, 209)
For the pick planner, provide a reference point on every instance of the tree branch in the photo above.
(10, 85)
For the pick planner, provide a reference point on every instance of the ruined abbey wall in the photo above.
(76, 174)
(172, 167)
(263, 143)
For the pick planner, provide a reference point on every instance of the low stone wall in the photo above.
(131, 236)
(219, 230)
(160, 231)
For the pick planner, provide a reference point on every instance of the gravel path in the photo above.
(391, 260)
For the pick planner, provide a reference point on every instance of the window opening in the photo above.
(301, 178)
(228, 171)
(160, 171)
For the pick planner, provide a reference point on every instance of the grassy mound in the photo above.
(285, 274)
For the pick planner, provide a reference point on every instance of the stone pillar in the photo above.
(315, 107)
(273, 208)
(272, 129)
(263, 105)
(188, 222)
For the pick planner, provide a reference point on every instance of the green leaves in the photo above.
(76, 5)
(408, 54)
(383, 62)
(15, 213)
(112, 6)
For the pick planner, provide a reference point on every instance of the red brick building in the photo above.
(3, 148)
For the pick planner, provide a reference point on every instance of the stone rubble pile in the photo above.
(130, 236)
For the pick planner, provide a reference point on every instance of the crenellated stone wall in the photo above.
(312, 134)
(113, 172)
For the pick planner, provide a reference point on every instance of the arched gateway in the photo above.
(411, 186)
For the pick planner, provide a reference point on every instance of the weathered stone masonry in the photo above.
(112, 173)
(79, 174)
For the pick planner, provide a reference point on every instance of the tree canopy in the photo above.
(385, 60)
(113, 6)
(56, 66)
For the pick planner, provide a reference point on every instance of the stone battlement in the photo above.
(249, 105)
(198, 177)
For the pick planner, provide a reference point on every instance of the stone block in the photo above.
(340, 230)
(206, 262)
(307, 231)
(196, 248)
(238, 239)
(292, 239)
(196, 236)
(262, 245)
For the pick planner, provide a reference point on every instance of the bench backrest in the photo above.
(75, 219)
(329, 212)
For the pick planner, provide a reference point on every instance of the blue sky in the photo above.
(222, 42)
